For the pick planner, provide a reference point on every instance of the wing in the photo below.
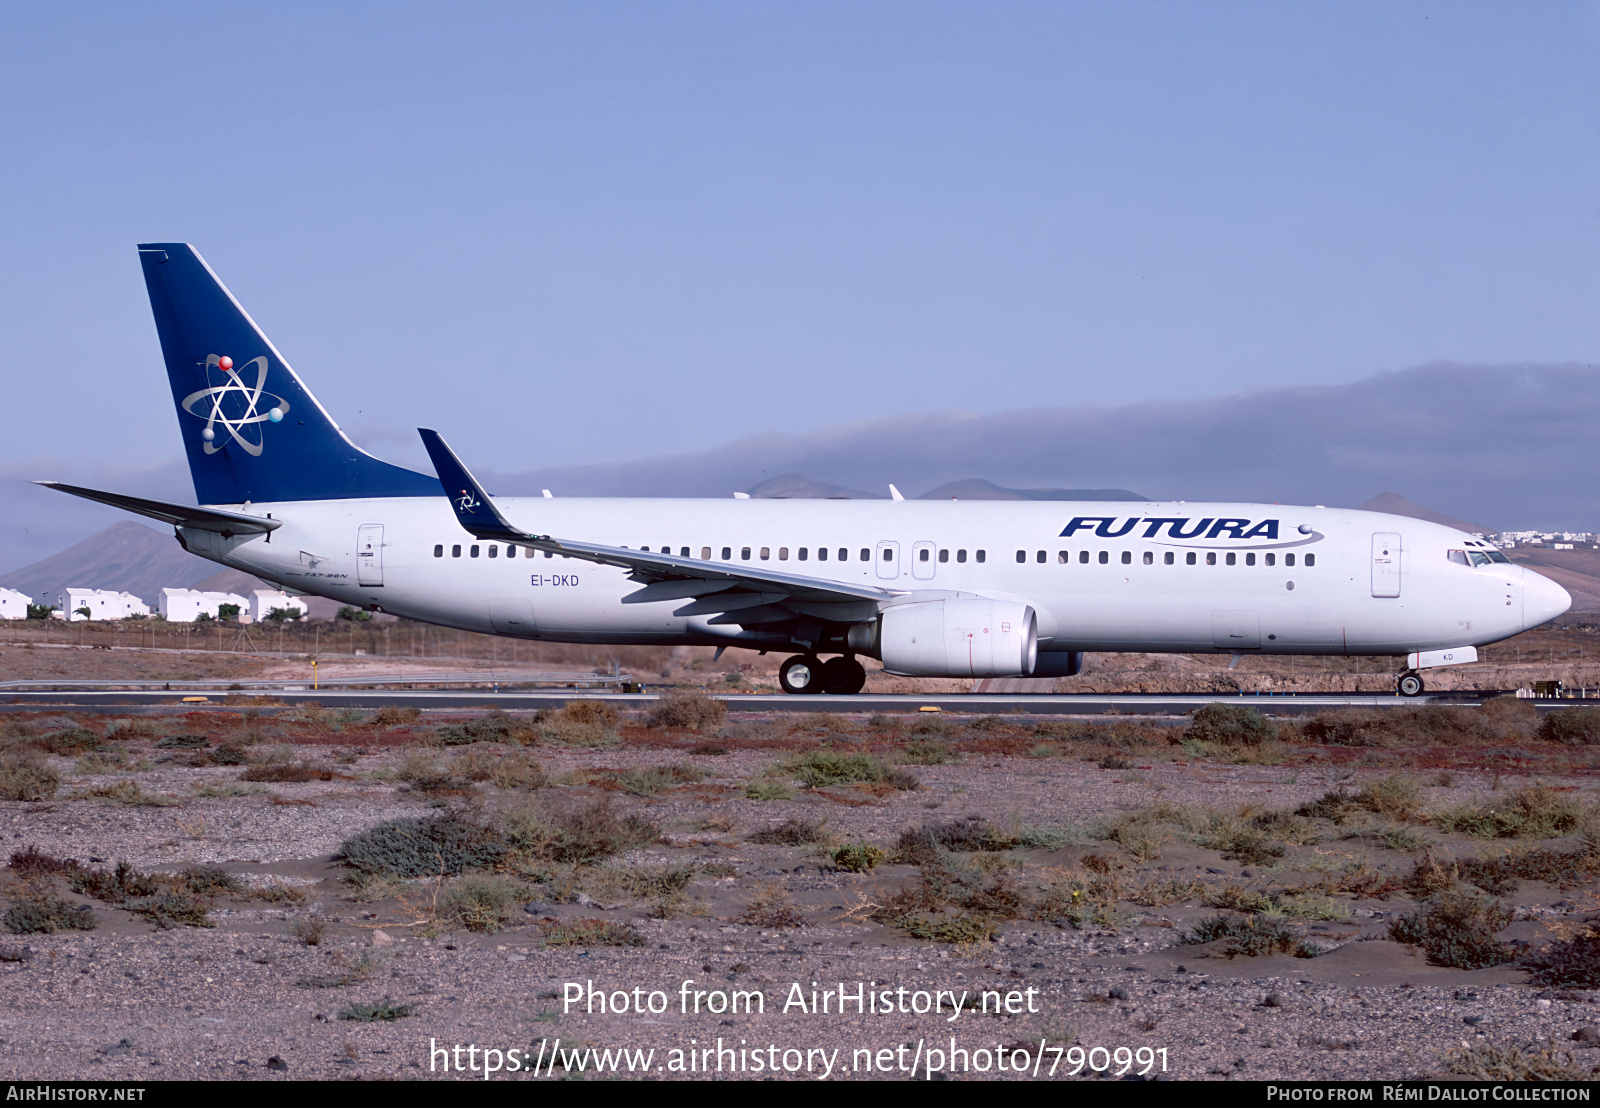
(741, 595)
(226, 524)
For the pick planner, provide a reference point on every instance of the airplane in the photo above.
(928, 588)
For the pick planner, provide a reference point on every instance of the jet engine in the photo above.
(959, 638)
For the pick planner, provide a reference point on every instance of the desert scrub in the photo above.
(1457, 930)
(792, 832)
(770, 906)
(477, 903)
(963, 835)
(1398, 796)
(928, 753)
(586, 723)
(1526, 1062)
(445, 845)
(858, 858)
(1572, 964)
(1533, 813)
(1249, 937)
(46, 915)
(822, 768)
(768, 790)
(591, 932)
(571, 834)
(26, 778)
(1571, 727)
(496, 727)
(370, 1013)
(689, 709)
(1229, 726)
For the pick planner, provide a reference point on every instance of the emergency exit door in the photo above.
(369, 554)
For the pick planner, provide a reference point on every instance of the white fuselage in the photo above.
(1346, 591)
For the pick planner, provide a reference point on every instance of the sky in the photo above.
(573, 235)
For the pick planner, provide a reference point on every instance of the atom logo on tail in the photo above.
(234, 405)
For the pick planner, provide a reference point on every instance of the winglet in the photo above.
(474, 510)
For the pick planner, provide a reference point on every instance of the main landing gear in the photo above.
(1410, 683)
(806, 673)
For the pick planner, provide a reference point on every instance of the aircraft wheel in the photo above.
(1410, 684)
(801, 674)
(843, 676)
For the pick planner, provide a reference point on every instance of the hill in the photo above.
(797, 486)
(125, 557)
(1396, 505)
(976, 488)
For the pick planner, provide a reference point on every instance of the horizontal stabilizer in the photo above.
(226, 524)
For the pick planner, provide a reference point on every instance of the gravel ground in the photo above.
(247, 998)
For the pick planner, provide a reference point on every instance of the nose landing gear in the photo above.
(1410, 683)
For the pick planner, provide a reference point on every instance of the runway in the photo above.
(1087, 704)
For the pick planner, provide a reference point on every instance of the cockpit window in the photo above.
(1459, 557)
(1496, 556)
(1479, 558)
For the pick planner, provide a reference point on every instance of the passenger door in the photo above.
(1385, 564)
(922, 561)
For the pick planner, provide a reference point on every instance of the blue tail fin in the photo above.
(252, 430)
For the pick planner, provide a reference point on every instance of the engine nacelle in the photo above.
(959, 638)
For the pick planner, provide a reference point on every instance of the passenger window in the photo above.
(844, 555)
(944, 555)
(1083, 557)
(801, 553)
(1288, 559)
(1166, 558)
(1211, 558)
(511, 552)
(822, 553)
(494, 551)
(1105, 556)
(1063, 557)
(705, 553)
(646, 549)
(438, 551)
(1127, 557)
(1022, 555)
(922, 555)
(1311, 559)
(766, 553)
(1272, 559)
(982, 554)
(727, 554)
(1149, 558)
(683, 552)
(1233, 559)
(866, 555)
(473, 551)
(1188, 559)
(455, 552)
(783, 554)
(549, 553)
(961, 555)
(1249, 559)
(1040, 558)
(888, 553)
(744, 552)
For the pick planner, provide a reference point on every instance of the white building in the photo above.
(263, 601)
(13, 604)
(185, 605)
(100, 603)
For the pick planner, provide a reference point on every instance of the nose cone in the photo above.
(1542, 600)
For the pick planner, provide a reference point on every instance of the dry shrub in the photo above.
(792, 832)
(1571, 727)
(1249, 937)
(396, 716)
(822, 768)
(292, 774)
(687, 708)
(770, 906)
(972, 834)
(1230, 725)
(1532, 813)
(1530, 1062)
(580, 723)
(33, 863)
(1513, 715)
(572, 833)
(591, 932)
(46, 915)
(1457, 930)
(26, 778)
(476, 903)
(1573, 964)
